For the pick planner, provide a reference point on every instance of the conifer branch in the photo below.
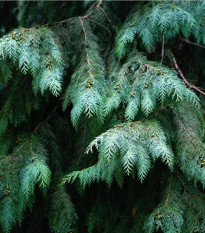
(107, 98)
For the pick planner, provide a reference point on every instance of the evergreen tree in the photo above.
(101, 129)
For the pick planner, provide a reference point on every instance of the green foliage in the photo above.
(149, 22)
(86, 90)
(37, 51)
(127, 147)
(62, 212)
(95, 81)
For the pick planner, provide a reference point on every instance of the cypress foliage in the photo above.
(97, 120)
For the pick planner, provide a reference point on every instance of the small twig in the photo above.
(185, 191)
(98, 6)
(150, 67)
(90, 10)
(189, 42)
(86, 17)
(170, 184)
(100, 3)
(20, 147)
(83, 27)
(183, 184)
(42, 122)
(82, 142)
(191, 86)
(202, 110)
(88, 60)
(31, 142)
(163, 42)
(159, 110)
(192, 195)
(60, 8)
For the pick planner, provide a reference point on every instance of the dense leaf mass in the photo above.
(101, 117)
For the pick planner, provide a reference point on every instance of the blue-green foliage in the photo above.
(144, 85)
(86, 90)
(36, 171)
(36, 51)
(62, 212)
(190, 146)
(178, 211)
(127, 147)
(155, 19)
(21, 171)
(143, 128)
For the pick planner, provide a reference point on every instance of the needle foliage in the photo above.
(101, 117)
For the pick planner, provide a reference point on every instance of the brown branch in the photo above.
(90, 10)
(159, 110)
(98, 6)
(170, 184)
(185, 191)
(60, 8)
(150, 67)
(31, 143)
(183, 184)
(163, 42)
(42, 122)
(83, 27)
(88, 60)
(191, 86)
(100, 3)
(190, 42)
(86, 17)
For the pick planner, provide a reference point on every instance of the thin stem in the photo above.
(84, 32)
(191, 86)
(86, 17)
(167, 200)
(163, 42)
(190, 42)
